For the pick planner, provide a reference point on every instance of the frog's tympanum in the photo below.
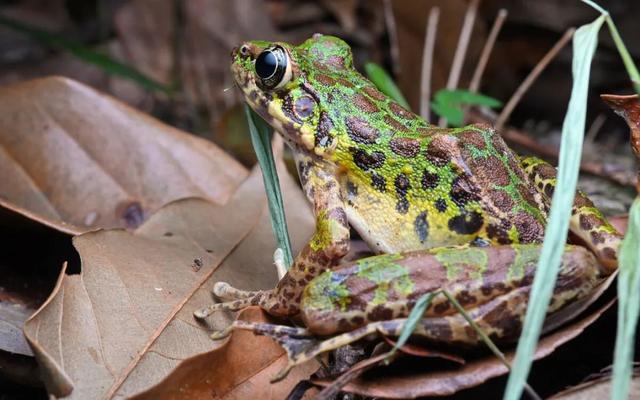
(447, 209)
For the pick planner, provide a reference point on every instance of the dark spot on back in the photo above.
(429, 180)
(421, 226)
(466, 223)
(402, 184)
(367, 161)
(441, 205)
(378, 182)
(402, 206)
(462, 192)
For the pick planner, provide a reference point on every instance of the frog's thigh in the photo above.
(587, 222)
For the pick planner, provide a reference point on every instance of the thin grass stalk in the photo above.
(427, 63)
(584, 45)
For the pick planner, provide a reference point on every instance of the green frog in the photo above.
(446, 209)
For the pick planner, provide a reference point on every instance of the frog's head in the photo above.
(284, 84)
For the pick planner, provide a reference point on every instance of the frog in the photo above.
(443, 209)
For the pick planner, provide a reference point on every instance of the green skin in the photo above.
(451, 209)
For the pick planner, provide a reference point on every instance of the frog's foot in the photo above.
(236, 300)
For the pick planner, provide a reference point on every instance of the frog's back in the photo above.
(410, 185)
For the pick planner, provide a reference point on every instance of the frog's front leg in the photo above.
(325, 249)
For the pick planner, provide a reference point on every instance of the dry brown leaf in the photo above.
(12, 317)
(241, 369)
(597, 389)
(412, 384)
(76, 160)
(126, 322)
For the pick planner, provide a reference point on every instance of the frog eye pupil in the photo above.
(266, 64)
(271, 66)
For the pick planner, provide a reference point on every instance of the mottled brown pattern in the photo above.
(589, 221)
(596, 237)
(374, 93)
(360, 131)
(325, 79)
(502, 200)
(364, 104)
(400, 111)
(610, 253)
(582, 201)
(499, 232)
(406, 147)
(441, 308)
(500, 317)
(474, 138)
(529, 229)
(346, 83)
(465, 298)
(380, 313)
(494, 169)
(396, 126)
(323, 132)
(463, 192)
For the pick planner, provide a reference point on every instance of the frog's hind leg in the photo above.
(587, 222)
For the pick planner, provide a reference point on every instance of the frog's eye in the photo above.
(272, 68)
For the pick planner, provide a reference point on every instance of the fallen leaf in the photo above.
(628, 107)
(597, 389)
(126, 322)
(12, 317)
(76, 160)
(241, 369)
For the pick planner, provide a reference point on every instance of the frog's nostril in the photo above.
(244, 50)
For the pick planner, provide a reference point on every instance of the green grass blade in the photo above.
(385, 84)
(261, 140)
(628, 306)
(412, 321)
(585, 41)
(102, 61)
(632, 70)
